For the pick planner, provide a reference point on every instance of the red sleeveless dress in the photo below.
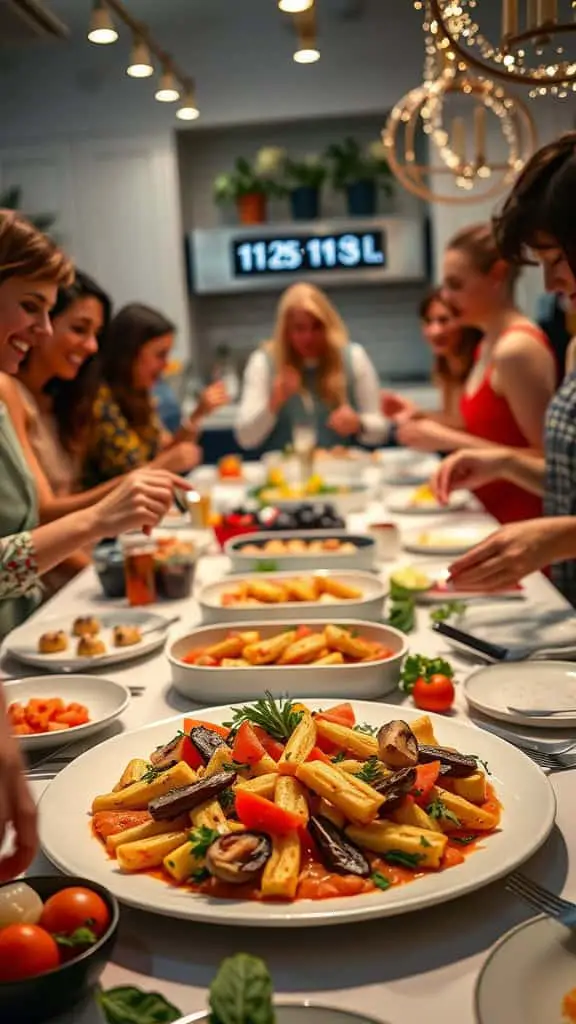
(487, 414)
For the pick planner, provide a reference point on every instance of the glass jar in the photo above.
(139, 552)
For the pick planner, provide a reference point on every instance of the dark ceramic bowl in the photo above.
(38, 999)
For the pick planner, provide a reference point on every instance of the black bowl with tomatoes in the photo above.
(41, 996)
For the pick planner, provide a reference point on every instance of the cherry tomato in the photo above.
(26, 950)
(75, 908)
(434, 694)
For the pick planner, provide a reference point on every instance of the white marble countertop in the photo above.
(418, 967)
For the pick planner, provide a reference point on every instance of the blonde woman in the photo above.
(309, 372)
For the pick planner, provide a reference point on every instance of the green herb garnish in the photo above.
(447, 611)
(380, 880)
(226, 799)
(370, 771)
(370, 730)
(402, 614)
(417, 666)
(463, 840)
(201, 838)
(129, 1005)
(424, 841)
(276, 717)
(151, 773)
(340, 756)
(242, 991)
(235, 766)
(402, 859)
(200, 875)
(437, 810)
(84, 936)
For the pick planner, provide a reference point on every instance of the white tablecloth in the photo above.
(418, 967)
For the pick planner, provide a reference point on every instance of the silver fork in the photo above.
(553, 762)
(541, 899)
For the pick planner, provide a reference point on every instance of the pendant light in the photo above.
(101, 29)
(188, 110)
(140, 65)
(167, 91)
(306, 51)
(294, 6)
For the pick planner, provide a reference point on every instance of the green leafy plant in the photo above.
(310, 171)
(447, 611)
(11, 199)
(349, 162)
(260, 175)
(127, 1004)
(241, 992)
(402, 614)
(277, 717)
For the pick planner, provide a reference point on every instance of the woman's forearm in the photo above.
(56, 507)
(55, 541)
(528, 471)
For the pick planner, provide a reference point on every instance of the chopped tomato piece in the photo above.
(272, 747)
(426, 778)
(207, 661)
(302, 632)
(255, 812)
(193, 723)
(452, 857)
(247, 747)
(318, 755)
(109, 823)
(341, 714)
(326, 746)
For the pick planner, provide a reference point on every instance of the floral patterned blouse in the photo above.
(18, 567)
(115, 447)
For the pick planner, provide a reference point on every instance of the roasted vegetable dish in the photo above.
(285, 803)
(333, 645)
(269, 591)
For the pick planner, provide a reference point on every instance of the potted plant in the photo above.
(304, 179)
(358, 172)
(249, 185)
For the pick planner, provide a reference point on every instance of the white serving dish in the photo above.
(528, 812)
(334, 469)
(363, 558)
(104, 698)
(403, 467)
(367, 607)
(366, 680)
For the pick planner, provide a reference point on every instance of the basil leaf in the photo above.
(241, 992)
(129, 1005)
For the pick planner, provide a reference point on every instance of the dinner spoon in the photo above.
(162, 626)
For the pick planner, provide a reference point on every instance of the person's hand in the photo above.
(345, 421)
(392, 404)
(469, 469)
(286, 383)
(506, 556)
(138, 503)
(423, 434)
(17, 807)
(212, 398)
(181, 457)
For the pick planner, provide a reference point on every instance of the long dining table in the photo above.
(418, 966)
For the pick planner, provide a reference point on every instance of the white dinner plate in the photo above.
(514, 626)
(405, 503)
(527, 975)
(442, 591)
(104, 699)
(525, 684)
(527, 818)
(298, 1013)
(403, 467)
(439, 539)
(22, 643)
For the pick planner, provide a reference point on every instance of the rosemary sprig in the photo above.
(276, 717)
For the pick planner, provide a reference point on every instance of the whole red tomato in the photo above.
(26, 950)
(434, 694)
(74, 908)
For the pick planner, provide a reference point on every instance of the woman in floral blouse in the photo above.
(31, 269)
(126, 430)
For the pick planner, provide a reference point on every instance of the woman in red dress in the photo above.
(513, 377)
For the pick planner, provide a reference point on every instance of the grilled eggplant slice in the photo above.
(238, 857)
(459, 765)
(206, 741)
(395, 788)
(397, 745)
(338, 853)
(186, 798)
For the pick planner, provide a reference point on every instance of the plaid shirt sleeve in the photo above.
(18, 566)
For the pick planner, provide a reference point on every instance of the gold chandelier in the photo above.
(531, 47)
(462, 156)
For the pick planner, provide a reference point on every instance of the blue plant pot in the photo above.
(305, 202)
(361, 196)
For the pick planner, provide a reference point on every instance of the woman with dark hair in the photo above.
(537, 222)
(514, 373)
(31, 270)
(453, 348)
(126, 431)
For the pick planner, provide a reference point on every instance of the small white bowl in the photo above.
(368, 680)
(362, 558)
(104, 699)
(367, 607)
